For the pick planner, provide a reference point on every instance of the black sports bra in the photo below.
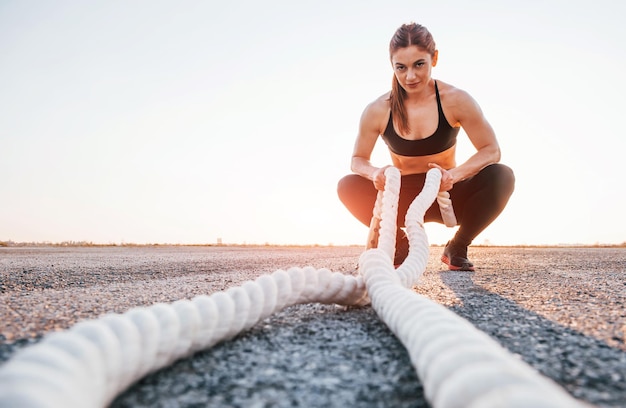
(443, 138)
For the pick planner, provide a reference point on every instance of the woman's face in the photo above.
(412, 67)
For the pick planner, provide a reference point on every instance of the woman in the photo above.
(419, 120)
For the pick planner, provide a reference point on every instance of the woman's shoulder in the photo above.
(379, 106)
(457, 103)
(376, 115)
(451, 95)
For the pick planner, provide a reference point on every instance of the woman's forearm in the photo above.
(363, 167)
(479, 160)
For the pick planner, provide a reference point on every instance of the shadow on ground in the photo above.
(586, 367)
(305, 356)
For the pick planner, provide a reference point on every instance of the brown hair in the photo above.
(405, 36)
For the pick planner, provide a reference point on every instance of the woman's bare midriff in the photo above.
(419, 164)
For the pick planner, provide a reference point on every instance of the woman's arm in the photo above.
(370, 127)
(468, 114)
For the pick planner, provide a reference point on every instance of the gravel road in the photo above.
(562, 310)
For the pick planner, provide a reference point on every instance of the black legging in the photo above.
(477, 201)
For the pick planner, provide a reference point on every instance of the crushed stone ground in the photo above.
(562, 310)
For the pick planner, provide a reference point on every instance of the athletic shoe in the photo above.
(455, 257)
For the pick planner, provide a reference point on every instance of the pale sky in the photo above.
(193, 121)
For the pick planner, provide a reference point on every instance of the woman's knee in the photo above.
(346, 185)
(358, 195)
(353, 189)
(501, 176)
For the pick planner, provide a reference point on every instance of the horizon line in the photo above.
(12, 244)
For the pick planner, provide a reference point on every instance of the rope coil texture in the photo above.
(459, 366)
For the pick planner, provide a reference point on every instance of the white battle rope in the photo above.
(92, 362)
(459, 366)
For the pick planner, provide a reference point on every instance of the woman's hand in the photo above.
(379, 179)
(447, 179)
